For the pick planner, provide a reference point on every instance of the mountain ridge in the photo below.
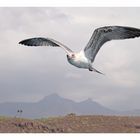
(55, 105)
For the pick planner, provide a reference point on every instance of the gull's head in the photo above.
(71, 56)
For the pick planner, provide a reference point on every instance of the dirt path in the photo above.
(71, 124)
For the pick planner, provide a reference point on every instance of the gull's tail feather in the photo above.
(93, 69)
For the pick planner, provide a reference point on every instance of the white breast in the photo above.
(80, 60)
(81, 57)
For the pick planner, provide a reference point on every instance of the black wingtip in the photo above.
(25, 42)
(20, 42)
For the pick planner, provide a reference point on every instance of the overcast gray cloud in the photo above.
(29, 74)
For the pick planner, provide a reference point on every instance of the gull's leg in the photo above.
(90, 69)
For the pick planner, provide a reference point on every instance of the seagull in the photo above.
(85, 58)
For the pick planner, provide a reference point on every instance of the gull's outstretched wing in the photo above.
(104, 34)
(40, 41)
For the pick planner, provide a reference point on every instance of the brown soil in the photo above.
(71, 124)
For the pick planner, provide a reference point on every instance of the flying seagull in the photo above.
(85, 58)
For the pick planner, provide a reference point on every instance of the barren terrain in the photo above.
(71, 124)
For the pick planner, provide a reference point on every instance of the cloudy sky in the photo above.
(29, 74)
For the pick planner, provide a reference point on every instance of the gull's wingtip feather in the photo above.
(20, 43)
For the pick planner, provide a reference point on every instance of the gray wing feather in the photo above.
(40, 41)
(108, 33)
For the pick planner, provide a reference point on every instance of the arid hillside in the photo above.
(71, 124)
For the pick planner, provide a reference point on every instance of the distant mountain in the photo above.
(135, 112)
(54, 105)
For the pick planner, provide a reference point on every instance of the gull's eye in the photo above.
(72, 55)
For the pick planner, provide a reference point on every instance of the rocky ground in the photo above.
(71, 124)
